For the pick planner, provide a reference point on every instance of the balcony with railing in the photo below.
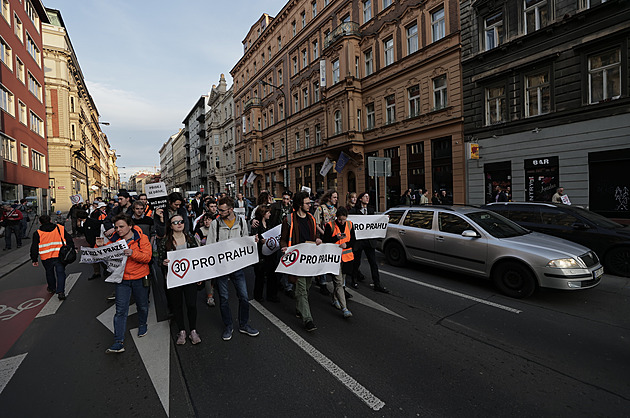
(345, 29)
(253, 102)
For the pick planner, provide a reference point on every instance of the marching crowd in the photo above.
(151, 233)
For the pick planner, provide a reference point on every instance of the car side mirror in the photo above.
(470, 234)
(580, 226)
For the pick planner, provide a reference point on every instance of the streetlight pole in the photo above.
(82, 152)
(286, 135)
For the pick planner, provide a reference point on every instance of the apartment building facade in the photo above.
(24, 169)
(166, 164)
(194, 128)
(349, 80)
(546, 98)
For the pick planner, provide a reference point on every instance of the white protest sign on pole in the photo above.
(76, 198)
(156, 194)
(272, 240)
(311, 260)
(565, 199)
(369, 226)
(326, 167)
(209, 261)
(306, 189)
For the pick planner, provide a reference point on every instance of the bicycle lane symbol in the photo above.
(18, 308)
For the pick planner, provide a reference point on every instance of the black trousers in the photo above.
(359, 248)
(265, 273)
(178, 296)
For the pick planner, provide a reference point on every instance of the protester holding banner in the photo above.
(341, 231)
(265, 268)
(177, 239)
(135, 277)
(363, 208)
(279, 211)
(92, 230)
(225, 227)
(174, 206)
(325, 213)
(201, 234)
(298, 228)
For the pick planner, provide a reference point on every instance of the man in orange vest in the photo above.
(47, 241)
(341, 231)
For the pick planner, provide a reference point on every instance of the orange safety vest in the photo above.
(102, 216)
(346, 253)
(148, 212)
(50, 243)
(290, 221)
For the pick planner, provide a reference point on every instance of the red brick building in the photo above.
(24, 170)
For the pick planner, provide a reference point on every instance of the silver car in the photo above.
(482, 243)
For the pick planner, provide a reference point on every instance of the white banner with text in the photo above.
(309, 259)
(369, 226)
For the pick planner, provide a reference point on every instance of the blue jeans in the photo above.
(238, 280)
(54, 267)
(123, 296)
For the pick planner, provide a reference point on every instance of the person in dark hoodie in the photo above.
(46, 244)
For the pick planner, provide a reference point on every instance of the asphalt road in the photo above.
(439, 345)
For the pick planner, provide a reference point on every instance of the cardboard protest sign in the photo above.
(209, 261)
(311, 260)
(369, 226)
(76, 198)
(272, 240)
(156, 194)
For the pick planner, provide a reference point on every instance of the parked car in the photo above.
(609, 240)
(482, 243)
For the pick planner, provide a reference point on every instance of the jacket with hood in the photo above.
(48, 227)
(138, 262)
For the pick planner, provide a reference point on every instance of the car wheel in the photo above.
(395, 254)
(514, 280)
(617, 261)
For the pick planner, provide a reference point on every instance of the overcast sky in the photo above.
(147, 62)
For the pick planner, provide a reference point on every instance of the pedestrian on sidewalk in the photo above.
(25, 219)
(11, 219)
(134, 281)
(176, 239)
(46, 244)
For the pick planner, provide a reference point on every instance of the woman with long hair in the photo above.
(265, 267)
(176, 239)
(351, 200)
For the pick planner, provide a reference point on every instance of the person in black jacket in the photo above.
(92, 228)
(124, 206)
(174, 206)
(363, 208)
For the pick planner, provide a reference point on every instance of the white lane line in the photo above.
(107, 317)
(452, 292)
(355, 387)
(8, 367)
(363, 300)
(54, 303)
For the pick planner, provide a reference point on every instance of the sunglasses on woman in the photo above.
(177, 222)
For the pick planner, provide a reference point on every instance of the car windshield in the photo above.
(596, 218)
(496, 225)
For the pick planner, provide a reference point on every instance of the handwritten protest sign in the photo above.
(76, 198)
(310, 260)
(369, 226)
(112, 255)
(272, 240)
(212, 260)
(156, 194)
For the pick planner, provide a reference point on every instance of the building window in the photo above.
(305, 97)
(326, 2)
(303, 17)
(412, 38)
(413, 93)
(293, 28)
(315, 50)
(282, 147)
(6, 11)
(536, 15)
(9, 149)
(39, 161)
(262, 58)
(6, 54)
(18, 29)
(279, 77)
(390, 109)
(273, 150)
(307, 138)
(584, 4)
(495, 105)
(37, 124)
(370, 117)
(438, 25)
(369, 68)
(32, 49)
(304, 59)
(356, 67)
(279, 43)
(297, 141)
(359, 120)
(295, 65)
(439, 92)
(318, 135)
(260, 156)
(494, 31)
(23, 114)
(388, 46)
(335, 71)
(386, 4)
(73, 132)
(20, 70)
(367, 10)
(32, 13)
(269, 53)
(338, 122)
(538, 97)
(296, 103)
(316, 92)
(24, 155)
(314, 8)
(271, 121)
(34, 87)
(604, 76)
(280, 111)
(7, 101)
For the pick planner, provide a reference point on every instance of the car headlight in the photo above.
(564, 263)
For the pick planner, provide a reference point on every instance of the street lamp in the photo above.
(286, 135)
(82, 153)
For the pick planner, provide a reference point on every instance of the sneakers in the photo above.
(227, 333)
(181, 338)
(336, 304)
(61, 296)
(194, 337)
(347, 313)
(247, 329)
(142, 330)
(210, 302)
(379, 288)
(116, 348)
(112, 296)
(310, 326)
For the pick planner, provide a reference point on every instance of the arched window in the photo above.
(338, 122)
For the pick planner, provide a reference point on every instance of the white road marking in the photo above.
(54, 303)
(8, 367)
(359, 298)
(107, 317)
(452, 292)
(355, 387)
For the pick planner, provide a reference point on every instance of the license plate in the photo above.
(597, 273)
